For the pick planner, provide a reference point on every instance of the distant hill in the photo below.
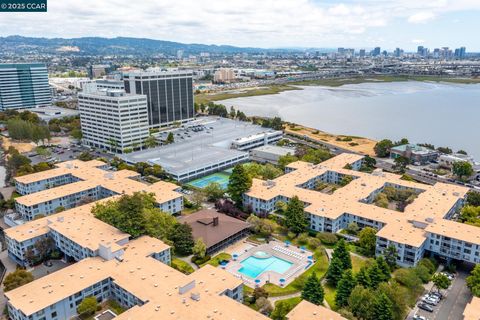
(115, 46)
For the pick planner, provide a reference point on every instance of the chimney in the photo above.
(215, 221)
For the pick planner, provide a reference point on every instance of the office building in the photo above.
(376, 51)
(98, 70)
(169, 95)
(113, 120)
(423, 227)
(270, 153)
(224, 75)
(24, 86)
(415, 153)
(362, 53)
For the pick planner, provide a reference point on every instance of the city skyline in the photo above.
(279, 24)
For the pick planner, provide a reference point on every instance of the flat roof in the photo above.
(430, 207)
(308, 311)
(472, 310)
(201, 149)
(280, 151)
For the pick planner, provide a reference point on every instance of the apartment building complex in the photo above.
(113, 120)
(169, 95)
(24, 85)
(110, 266)
(422, 228)
(224, 75)
(74, 182)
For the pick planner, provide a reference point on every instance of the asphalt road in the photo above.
(452, 306)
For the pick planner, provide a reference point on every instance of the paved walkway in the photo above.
(189, 261)
(10, 267)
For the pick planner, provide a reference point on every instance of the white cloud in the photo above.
(418, 41)
(421, 17)
(266, 23)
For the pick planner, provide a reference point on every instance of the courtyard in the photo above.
(274, 262)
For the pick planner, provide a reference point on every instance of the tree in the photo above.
(334, 271)
(363, 277)
(313, 290)
(43, 247)
(259, 292)
(401, 164)
(398, 295)
(17, 279)
(361, 302)
(441, 281)
(170, 138)
(340, 251)
(59, 209)
(382, 148)
(128, 213)
(85, 156)
(473, 281)
(391, 256)
(295, 217)
(408, 278)
(88, 306)
(384, 268)
(283, 161)
(383, 308)
(199, 249)
(213, 191)
(238, 184)
(159, 224)
(470, 214)
(473, 198)
(281, 310)
(344, 288)
(462, 169)
(76, 134)
(150, 142)
(182, 239)
(263, 305)
(367, 240)
(264, 227)
(353, 228)
(375, 274)
(445, 150)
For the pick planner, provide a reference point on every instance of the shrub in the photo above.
(314, 243)
(423, 273)
(302, 238)
(327, 238)
(430, 264)
(198, 261)
(291, 235)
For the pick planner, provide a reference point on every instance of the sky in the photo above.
(261, 23)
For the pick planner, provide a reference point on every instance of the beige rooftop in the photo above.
(472, 310)
(308, 311)
(146, 278)
(430, 207)
(91, 176)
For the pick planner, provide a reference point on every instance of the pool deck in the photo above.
(298, 258)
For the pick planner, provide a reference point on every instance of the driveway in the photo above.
(452, 306)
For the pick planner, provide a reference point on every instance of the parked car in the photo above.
(437, 294)
(430, 300)
(425, 307)
(418, 317)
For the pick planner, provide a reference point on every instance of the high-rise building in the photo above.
(362, 53)
(460, 53)
(24, 85)
(224, 75)
(113, 120)
(398, 52)
(376, 51)
(169, 95)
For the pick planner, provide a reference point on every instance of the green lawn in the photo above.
(291, 302)
(330, 295)
(215, 261)
(320, 267)
(358, 262)
(182, 266)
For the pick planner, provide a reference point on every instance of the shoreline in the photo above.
(334, 83)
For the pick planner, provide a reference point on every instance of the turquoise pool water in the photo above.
(252, 267)
(220, 178)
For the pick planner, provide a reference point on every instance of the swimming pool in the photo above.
(252, 266)
(220, 178)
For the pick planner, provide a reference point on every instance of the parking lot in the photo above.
(451, 307)
(65, 153)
